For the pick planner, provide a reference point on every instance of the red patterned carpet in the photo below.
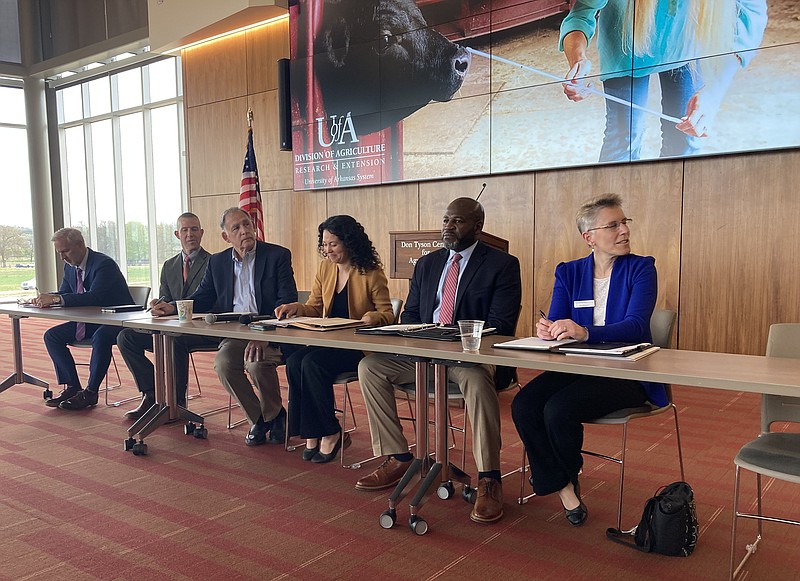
(75, 506)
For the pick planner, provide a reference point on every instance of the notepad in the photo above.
(630, 356)
(314, 323)
(533, 344)
(608, 349)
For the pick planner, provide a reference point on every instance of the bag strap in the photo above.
(620, 537)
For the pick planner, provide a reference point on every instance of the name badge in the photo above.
(584, 304)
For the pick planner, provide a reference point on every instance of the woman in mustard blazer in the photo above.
(350, 283)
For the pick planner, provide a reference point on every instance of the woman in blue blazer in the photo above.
(606, 296)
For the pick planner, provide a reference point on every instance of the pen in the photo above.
(158, 300)
(541, 312)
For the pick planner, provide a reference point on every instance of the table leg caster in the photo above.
(128, 444)
(469, 494)
(189, 428)
(446, 490)
(418, 525)
(47, 394)
(388, 518)
(140, 449)
(200, 432)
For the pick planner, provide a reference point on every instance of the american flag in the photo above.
(250, 193)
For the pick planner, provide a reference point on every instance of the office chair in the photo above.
(140, 295)
(772, 454)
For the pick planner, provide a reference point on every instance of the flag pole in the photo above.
(249, 118)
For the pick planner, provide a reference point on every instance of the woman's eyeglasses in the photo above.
(613, 225)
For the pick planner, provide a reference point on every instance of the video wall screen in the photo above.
(395, 90)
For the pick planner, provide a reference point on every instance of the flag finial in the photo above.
(249, 118)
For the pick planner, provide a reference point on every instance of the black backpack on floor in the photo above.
(668, 526)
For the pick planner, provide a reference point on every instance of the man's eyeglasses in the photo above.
(613, 225)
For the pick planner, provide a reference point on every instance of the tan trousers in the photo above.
(230, 366)
(378, 374)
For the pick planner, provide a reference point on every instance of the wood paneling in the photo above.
(265, 45)
(216, 135)
(739, 252)
(215, 71)
(209, 209)
(274, 165)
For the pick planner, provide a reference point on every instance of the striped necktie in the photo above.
(80, 328)
(449, 291)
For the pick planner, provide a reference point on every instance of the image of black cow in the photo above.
(379, 61)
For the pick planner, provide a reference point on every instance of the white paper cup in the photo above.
(470, 335)
(185, 309)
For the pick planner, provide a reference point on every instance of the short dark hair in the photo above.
(362, 253)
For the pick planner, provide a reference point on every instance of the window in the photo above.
(123, 164)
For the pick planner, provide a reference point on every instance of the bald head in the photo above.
(462, 223)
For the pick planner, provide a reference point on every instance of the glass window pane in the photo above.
(134, 195)
(166, 178)
(162, 80)
(73, 103)
(16, 235)
(129, 89)
(99, 96)
(12, 106)
(104, 189)
(76, 179)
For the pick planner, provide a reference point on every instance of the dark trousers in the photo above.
(311, 371)
(132, 345)
(549, 413)
(102, 339)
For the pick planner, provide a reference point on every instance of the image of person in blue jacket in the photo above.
(695, 47)
(607, 296)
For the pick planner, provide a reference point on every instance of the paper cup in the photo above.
(470, 335)
(185, 309)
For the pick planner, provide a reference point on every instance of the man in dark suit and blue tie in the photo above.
(180, 277)
(90, 279)
(251, 277)
(464, 280)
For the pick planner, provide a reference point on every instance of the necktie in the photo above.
(185, 268)
(449, 291)
(80, 328)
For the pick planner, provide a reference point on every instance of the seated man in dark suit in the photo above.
(465, 280)
(180, 277)
(252, 277)
(90, 279)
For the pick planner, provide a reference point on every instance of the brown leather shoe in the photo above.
(148, 399)
(489, 502)
(387, 475)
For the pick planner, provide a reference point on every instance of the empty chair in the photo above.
(771, 454)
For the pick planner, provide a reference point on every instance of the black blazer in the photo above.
(103, 283)
(273, 276)
(490, 289)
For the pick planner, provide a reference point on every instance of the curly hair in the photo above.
(362, 253)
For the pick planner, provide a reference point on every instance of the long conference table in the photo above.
(745, 373)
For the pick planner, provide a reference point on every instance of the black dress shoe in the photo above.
(320, 458)
(257, 434)
(309, 453)
(277, 431)
(66, 393)
(148, 400)
(578, 515)
(82, 400)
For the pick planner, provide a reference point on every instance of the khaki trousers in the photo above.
(377, 374)
(230, 366)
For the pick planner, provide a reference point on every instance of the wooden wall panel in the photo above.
(265, 45)
(739, 252)
(651, 196)
(216, 135)
(380, 210)
(274, 165)
(215, 71)
(209, 209)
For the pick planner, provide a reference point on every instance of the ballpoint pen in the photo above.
(158, 300)
(541, 312)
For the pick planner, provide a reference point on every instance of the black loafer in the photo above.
(257, 434)
(277, 432)
(578, 515)
(80, 401)
(309, 453)
(320, 458)
(66, 393)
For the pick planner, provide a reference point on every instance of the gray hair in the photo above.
(71, 235)
(228, 212)
(187, 216)
(587, 214)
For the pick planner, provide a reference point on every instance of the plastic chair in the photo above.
(772, 454)
(140, 295)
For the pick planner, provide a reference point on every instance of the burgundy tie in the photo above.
(80, 328)
(185, 268)
(449, 291)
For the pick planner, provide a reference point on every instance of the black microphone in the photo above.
(212, 318)
(252, 318)
(479, 193)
